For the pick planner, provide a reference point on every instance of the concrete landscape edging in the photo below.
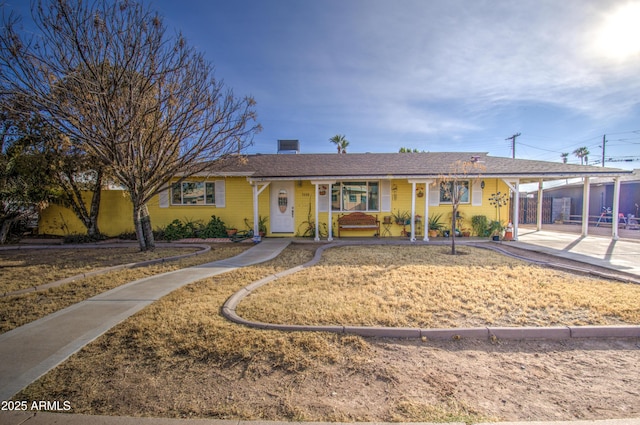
(489, 333)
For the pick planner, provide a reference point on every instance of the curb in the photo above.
(488, 333)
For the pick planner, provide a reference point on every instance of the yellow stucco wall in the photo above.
(116, 211)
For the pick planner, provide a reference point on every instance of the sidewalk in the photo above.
(30, 351)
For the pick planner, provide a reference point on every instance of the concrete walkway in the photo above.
(30, 351)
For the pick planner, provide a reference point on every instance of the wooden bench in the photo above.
(358, 221)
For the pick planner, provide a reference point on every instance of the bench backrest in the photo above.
(357, 218)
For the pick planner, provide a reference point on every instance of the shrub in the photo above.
(215, 228)
(480, 226)
(175, 230)
(84, 238)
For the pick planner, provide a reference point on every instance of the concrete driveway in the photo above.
(622, 255)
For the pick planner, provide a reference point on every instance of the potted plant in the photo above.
(262, 225)
(231, 231)
(495, 230)
(402, 218)
(435, 225)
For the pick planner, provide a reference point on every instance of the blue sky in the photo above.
(447, 75)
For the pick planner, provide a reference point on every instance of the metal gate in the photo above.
(528, 213)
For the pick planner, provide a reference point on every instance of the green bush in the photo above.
(215, 228)
(83, 238)
(178, 230)
(480, 226)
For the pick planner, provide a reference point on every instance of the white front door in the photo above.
(282, 207)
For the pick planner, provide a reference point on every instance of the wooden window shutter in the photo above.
(220, 194)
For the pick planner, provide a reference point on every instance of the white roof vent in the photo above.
(288, 146)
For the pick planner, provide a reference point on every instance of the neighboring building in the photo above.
(296, 190)
(601, 196)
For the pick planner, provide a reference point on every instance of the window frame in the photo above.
(465, 182)
(208, 190)
(340, 193)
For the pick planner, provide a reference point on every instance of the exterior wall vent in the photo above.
(288, 146)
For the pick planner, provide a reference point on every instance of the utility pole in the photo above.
(604, 143)
(513, 144)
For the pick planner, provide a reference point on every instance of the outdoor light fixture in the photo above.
(482, 184)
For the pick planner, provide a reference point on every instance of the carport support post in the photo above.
(616, 208)
(585, 207)
(539, 215)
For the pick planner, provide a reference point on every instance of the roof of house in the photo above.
(399, 165)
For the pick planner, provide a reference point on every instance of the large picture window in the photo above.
(355, 196)
(193, 193)
(446, 191)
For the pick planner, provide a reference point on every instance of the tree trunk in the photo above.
(73, 195)
(92, 228)
(453, 230)
(147, 230)
(4, 230)
(137, 224)
(142, 224)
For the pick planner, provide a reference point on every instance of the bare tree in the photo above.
(147, 106)
(455, 187)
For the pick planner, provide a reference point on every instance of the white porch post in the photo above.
(413, 211)
(585, 207)
(539, 215)
(317, 186)
(425, 224)
(514, 185)
(330, 236)
(256, 192)
(516, 211)
(616, 208)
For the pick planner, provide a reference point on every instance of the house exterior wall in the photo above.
(116, 212)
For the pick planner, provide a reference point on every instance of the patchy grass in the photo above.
(21, 309)
(181, 346)
(26, 268)
(424, 286)
(180, 358)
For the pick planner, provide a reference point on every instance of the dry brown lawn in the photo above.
(180, 358)
(25, 268)
(426, 287)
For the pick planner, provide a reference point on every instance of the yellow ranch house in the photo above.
(310, 194)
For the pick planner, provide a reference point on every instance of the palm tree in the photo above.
(341, 142)
(583, 154)
(565, 156)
